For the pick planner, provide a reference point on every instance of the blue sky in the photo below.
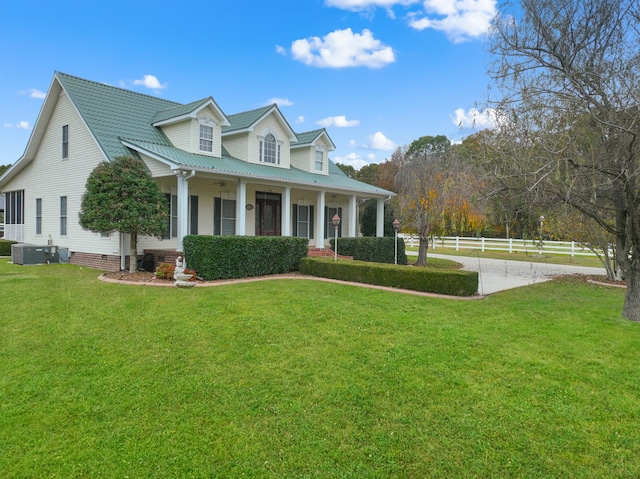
(376, 73)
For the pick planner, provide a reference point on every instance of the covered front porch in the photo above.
(205, 204)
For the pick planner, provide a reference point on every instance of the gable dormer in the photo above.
(195, 127)
(262, 136)
(311, 151)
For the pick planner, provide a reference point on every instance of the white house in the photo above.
(248, 173)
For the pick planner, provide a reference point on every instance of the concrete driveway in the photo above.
(499, 275)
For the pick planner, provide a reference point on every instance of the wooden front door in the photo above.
(268, 214)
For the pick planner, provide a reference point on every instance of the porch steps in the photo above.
(327, 252)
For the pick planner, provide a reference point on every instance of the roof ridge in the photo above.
(107, 85)
(262, 108)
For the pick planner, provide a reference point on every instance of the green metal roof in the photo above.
(117, 117)
(307, 137)
(228, 165)
(111, 112)
(179, 111)
(242, 121)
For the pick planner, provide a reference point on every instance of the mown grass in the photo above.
(299, 378)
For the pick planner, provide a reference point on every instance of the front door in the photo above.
(268, 214)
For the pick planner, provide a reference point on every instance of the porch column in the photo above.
(183, 207)
(320, 220)
(286, 211)
(353, 216)
(380, 218)
(241, 208)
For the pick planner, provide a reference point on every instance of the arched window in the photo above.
(268, 149)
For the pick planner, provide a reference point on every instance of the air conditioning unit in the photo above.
(29, 254)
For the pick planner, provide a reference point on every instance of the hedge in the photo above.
(5, 247)
(377, 250)
(429, 280)
(224, 257)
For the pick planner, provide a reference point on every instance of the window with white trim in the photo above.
(269, 150)
(63, 216)
(65, 142)
(303, 221)
(228, 217)
(172, 224)
(14, 207)
(38, 216)
(319, 160)
(206, 138)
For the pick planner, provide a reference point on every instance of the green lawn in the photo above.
(300, 378)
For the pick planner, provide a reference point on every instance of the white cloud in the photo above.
(460, 20)
(337, 121)
(352, 159)
(380, 142)
(33, 93)
(281, 50)
(150, 81)
(300, 119)
(343, 48)
(474, 118)
(279, 101)
(22, 125)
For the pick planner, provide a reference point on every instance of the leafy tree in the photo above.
(4, 168)
(435, 192)
(348, 170)
(121, 196)
(567, 72)
(567, 224)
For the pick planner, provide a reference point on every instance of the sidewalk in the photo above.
(499, 275)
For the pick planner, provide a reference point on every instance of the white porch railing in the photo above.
(511, 245)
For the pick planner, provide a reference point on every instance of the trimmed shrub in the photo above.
(224, 257)
(5, 247)
(167, 270)
(428, 280)
(377, 250)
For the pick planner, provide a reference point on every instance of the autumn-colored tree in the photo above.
(435, 192)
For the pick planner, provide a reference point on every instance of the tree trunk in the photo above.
(133, 254)
(631, 308)
(422, 251)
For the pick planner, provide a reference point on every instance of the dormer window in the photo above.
(319, 160)
(269, 150)
(206, 138)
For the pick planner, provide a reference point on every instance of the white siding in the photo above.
(238, 146)
(157, 168)
(181, 134)
(186, 134)
(49, 177)
(305, 157)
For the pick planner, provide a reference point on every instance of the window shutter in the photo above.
(217, 215)
(295, 219)
(311, 222)
(194, 215)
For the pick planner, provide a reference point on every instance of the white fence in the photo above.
(512, 245)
